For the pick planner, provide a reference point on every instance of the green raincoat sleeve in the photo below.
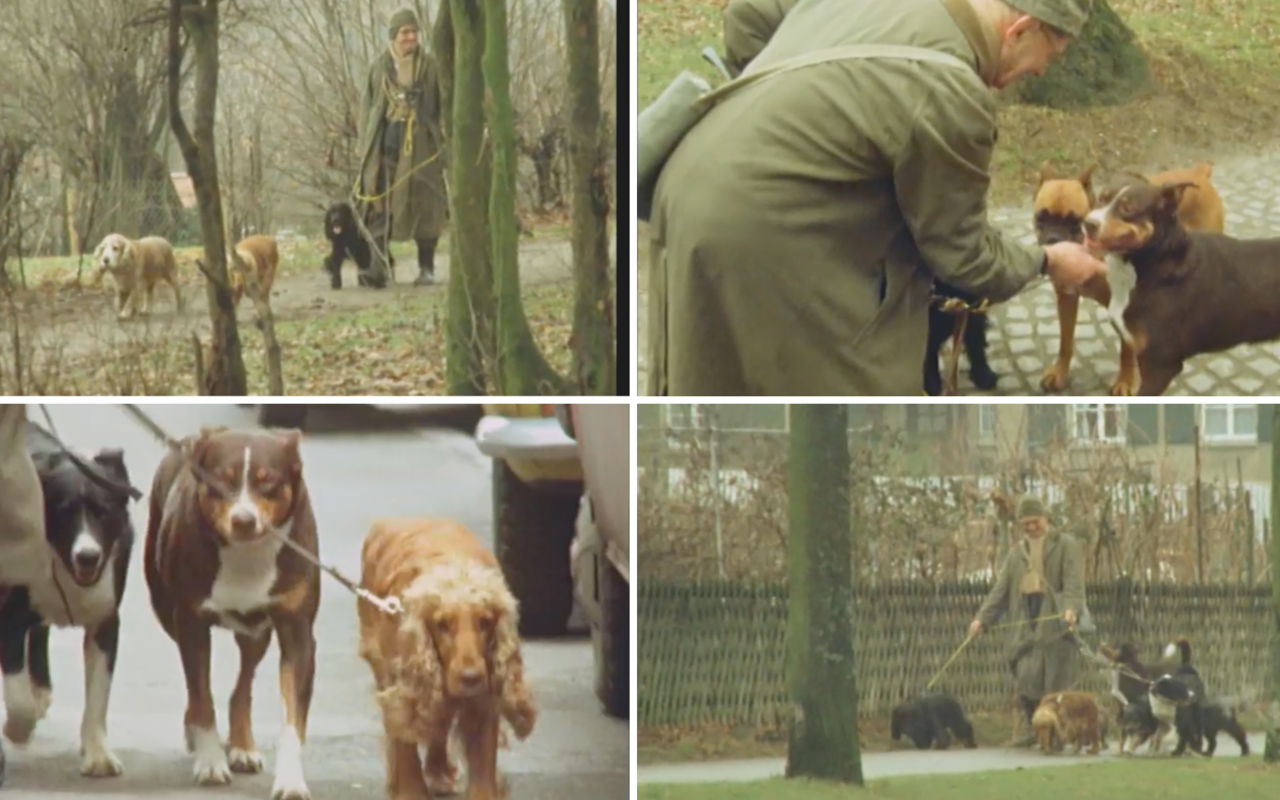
(941, 180)
(997, 602)
(748, 27)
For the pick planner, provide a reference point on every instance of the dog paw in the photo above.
(985, 378)
(100, 762)
(211, 767)
(1121, 389)
(245, 762)
(1053, 380)
(442, 785)
(44, 699)
(286, 788)
(18, 727)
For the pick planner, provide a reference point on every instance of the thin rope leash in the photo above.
(970, 638)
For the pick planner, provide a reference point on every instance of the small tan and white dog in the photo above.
(136, 266)
(261, 255)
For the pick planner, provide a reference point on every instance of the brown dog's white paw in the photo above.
(244, 762)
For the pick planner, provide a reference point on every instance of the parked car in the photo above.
(561, 494)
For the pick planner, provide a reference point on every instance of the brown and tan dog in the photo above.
(1073, 717)
(1060, 207)
(136, 266)
(260, 254)
(450, 664)
(215, 557)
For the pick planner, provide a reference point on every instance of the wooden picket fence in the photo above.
(712, 652)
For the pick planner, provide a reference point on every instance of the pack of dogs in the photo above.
(232, 543)
(1176, 286)
(1152, 701)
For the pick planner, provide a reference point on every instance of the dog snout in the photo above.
(244, 520)
(471, 677)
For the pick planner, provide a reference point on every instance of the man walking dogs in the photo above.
(1042, 576)
(402, 142)
(797, 229)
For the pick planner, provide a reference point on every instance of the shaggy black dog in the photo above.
(345, 240)
(1219, 715)
(941, 326)
(927, 719)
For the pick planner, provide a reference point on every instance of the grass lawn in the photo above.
(1215, 64)
(1158, 779)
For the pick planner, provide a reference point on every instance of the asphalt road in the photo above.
(574, 752)
(917, 762)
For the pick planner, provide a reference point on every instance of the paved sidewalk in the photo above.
(1023, 338)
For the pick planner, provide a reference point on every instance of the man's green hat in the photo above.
(1030, 506)
(1067, 16)
(407, 16)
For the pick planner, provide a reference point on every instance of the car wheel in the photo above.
(613, 646)
(276, 415)
(533, 529)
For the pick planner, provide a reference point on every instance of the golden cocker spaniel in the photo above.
(449, 665)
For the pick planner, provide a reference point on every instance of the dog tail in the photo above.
(1180, 646)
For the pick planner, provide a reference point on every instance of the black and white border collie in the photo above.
(87, 526)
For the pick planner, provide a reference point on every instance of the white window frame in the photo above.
(1099, 436)
(1231, 436)
(988, 421)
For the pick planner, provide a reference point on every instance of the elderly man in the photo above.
(402, 143)
(797, 229)
(1042, 576)
(24, 556)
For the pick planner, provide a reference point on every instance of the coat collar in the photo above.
(981, 37)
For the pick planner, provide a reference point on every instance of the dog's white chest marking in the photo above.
(1162, 709)
(1122, 278)
(246, 573)
(71, 605)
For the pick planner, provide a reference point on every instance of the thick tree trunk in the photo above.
(1271, 752)
(820, 667)
(470, 331)
(595, 351)
(225, 374)
(520, 368)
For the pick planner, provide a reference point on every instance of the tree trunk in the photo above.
(594, 351)
(1103, 66)
(823, 740)
(1271, 752)
(519, 366)
(470, 328)
(225, 374)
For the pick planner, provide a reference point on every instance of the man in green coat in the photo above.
(1042, 576)
(402, 151)
(797, 229)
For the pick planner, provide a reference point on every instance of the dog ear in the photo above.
(1171, 194)
(1087, 176)
(516, 697)
(1046, 173)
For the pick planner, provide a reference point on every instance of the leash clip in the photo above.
(390, 606)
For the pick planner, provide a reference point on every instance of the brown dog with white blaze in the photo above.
(1178, 293)
(215, 557)
(136, 266)
(448, 667)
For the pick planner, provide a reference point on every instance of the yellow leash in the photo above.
(970, 637)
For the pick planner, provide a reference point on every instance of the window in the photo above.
(986, 421)
(1229, 422)
(1098, 422)
(685, 415)
(932, 419)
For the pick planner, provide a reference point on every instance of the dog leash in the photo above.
(970, 638)
(388, 605)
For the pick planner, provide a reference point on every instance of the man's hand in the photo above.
(1071, 266)
(975, 628)
(1070, 616)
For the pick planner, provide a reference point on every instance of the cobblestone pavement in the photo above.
(1023, 337)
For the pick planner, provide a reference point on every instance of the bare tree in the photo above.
(225, 374)
(594, 351)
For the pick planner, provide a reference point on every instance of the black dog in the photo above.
(1187, 719)
(87, 526)
(345, 241)
(1137, 724)
(927, 719)
(941, 326)
(1217, 715)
